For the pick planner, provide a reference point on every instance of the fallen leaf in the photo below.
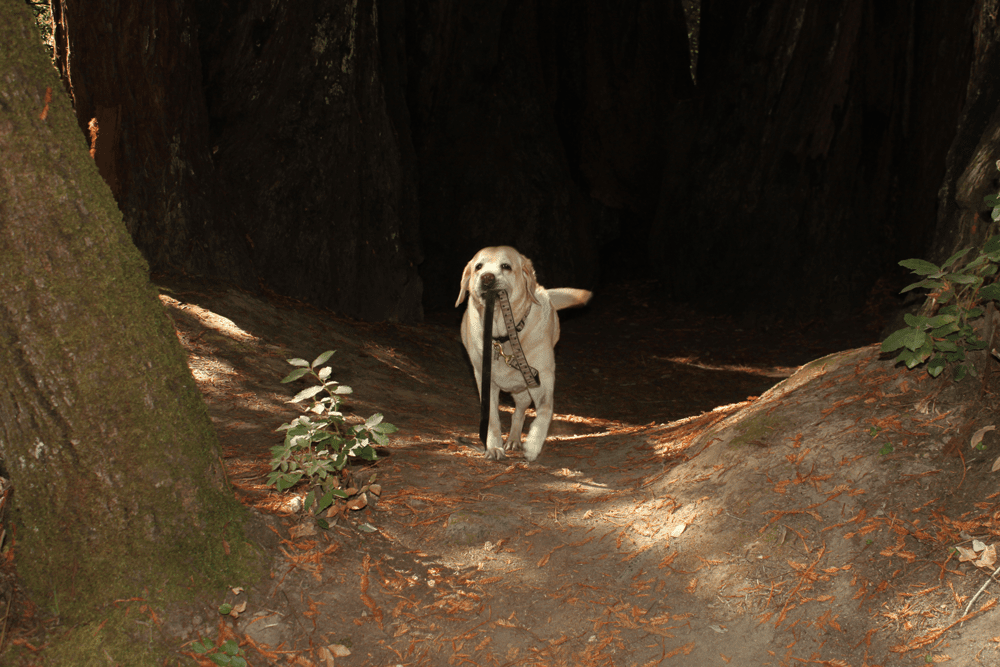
(996, 465)
(376, 489)
(339, 650)
(678, 529)
(965, 554)
(988, 558)
(237, 590)
(238, 609)
(977, 437)
(302, 530)
(358, 502)
(978, 546)
(326, 656)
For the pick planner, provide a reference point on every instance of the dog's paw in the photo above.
(495, 454)
(532, 450)
(512, 445)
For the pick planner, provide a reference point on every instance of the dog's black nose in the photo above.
(487, 280)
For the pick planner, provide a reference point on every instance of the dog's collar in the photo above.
(518, 327)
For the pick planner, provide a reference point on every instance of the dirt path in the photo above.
(811, 525)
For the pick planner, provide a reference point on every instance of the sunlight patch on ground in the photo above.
(211, 320)
(693, 362)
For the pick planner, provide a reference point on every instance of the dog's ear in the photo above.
(463, 287)
(530, 281)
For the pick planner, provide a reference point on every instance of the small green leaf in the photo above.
(310, 499)
(954, 258)
(996, 214)
(991, 291)
(992, 200)
(915, 340)
(896, 340)
(975, 344)
(914, 320)
(374, 420)
(993, 244)
(920, 266)
(929, 284)
(327, 500)
(199, 647)
(308, 392)
(935, 366)
(295, 375)
(225, 608)
(960, 372)
(230, 647)
(288, 481)
(961, 278)
(322, 359)
(324, 372)
(945, 330)
(298, 362)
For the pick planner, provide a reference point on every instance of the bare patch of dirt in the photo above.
(708, 495)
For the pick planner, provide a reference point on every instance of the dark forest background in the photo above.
(355, 154)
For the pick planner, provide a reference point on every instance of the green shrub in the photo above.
(943, 334)
(319, 443)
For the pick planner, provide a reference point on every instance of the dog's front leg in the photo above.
(494, 442)
(522, 400)
(542, 396)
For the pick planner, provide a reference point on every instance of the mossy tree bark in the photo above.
(117, 477)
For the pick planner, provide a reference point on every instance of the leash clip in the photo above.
(498, 352)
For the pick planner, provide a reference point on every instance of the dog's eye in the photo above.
(505, 266)
(479, 266)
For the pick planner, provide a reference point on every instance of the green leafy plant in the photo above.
(229, 654)
(319, 444)
(944, 333)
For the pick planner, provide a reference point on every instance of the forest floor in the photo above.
(708, 495)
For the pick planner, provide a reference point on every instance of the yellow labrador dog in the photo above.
(534, 309)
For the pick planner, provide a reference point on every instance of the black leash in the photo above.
(484, 390)
(518, 358)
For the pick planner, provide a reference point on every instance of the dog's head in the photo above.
(499, 267)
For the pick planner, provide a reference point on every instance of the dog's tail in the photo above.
(567, 297)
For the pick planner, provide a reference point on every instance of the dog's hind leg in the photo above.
(522, 400)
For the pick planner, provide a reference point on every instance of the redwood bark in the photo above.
(133, 71)
(823, 131)
(118, 482)
(313, 154)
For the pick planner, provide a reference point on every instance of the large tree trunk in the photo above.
(820, 150)
(314, 156)
(118, 482)
(133, 71)
(963, 218)
(539, 124)
(295, 172)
